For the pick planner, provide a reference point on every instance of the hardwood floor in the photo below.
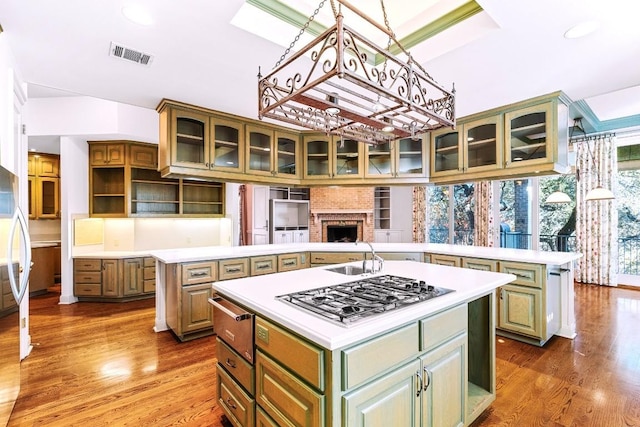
(101, 364)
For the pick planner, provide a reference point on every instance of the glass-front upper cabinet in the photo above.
(348, 158)
(410, 160)
(316, 155)
(379, 160)
(286, 159)
(483, 141)
(259, 151)
(446, 152)
(228, 143)
(191, 139)
(528, 133)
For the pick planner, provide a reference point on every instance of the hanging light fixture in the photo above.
(558, 197)
(599, 192)
(344, 84)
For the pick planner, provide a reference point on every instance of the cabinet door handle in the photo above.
(427, 382)
(231, 403)
(319, 259)
(501, 293)
(418, 383)
(230, 363)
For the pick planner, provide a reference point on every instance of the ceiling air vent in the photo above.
(119, 51)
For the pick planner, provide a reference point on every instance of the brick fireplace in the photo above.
(342, 208)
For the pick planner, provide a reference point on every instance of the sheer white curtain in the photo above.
(597, 220)
(484, 229)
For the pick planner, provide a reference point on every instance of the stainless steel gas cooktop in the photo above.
(349, 302)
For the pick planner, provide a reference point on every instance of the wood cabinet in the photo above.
(522, 139)
(293, 261)
(44, 186)
(450, 260)
(131, 186)
(42, 274)
(323, 258)
(7, 302)
(121, 279)
(288, 221)
(272, 152)
(397, 160)
(329, 158)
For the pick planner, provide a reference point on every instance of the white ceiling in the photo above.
(512, 51)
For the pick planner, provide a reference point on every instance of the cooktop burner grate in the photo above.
(349, 302)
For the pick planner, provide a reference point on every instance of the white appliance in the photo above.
(15, 254)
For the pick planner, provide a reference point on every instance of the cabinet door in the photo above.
(410, 158)
(528, 136)
(111, 278)
(259, 154)
(48, 166)
(300, 236)
(446, 152)
(143, 156)
(190, 139)
(282, 236)
(392, 400)
(379, 161)
(196, 312)
(449, 260)
(107, 154)
(286, 154)
(228, 142)
(520, 310)
(133, 276)
(483, 144)
(317, 163)
(47, 198)
(348, 158)
(444, 384)
(32, 197)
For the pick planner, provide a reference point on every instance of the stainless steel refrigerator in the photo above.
(15, 265)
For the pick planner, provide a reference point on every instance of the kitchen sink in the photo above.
(349, 270)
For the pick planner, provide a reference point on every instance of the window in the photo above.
(451, 219)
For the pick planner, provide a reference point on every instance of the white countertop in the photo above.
(258, 294)
(170, 256)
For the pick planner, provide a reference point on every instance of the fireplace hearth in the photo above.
(342, 233)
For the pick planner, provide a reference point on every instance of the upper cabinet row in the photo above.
(44, 186)
(124, 182)
(525, 139)
(522, 139)
(208, 144)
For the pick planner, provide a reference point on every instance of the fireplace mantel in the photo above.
(318, 214)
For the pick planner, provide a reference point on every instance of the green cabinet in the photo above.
(327, 157)
(272, 152)
(396, 160)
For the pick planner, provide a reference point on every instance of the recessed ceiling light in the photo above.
(582, 29)
(137, 14)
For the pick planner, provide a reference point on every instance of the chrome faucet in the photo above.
(374, 258)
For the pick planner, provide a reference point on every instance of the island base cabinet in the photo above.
(197, 313)
(285, 398)
(237, 405)
(393, 400)
(520, 309)
(263, 420)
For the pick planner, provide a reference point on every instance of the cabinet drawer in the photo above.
(264, 265)
(239, 368)
(450, 260)
(531, 275)
(480, 264)
(401, 256)
(437, 329)
(199, 272)
(234, 268)
(149, 273)
(149, 286)
(335, 257)
(284, 397)
(88, 289)
(289, 262)
(359, 364)
(149, 262)
(264, 420)
(88, 277)
(87, 264)
(239, 407)
(298, 355)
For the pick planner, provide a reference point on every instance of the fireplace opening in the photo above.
(342, 233)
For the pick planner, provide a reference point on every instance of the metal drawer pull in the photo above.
(263, 266)
(319, 259)
(233, 270)
(198, 273)
(231, 403)
(230, 363)
(289, 263)
(237, 316)
(427, 383)
(418, 383)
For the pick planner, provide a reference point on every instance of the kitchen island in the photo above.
(427, 363)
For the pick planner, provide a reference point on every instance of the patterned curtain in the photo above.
(484, 230)
(419, 214)
(597, 220)
(244, 217)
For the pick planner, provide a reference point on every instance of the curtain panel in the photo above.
(597, 220)
(484, 231)
(419, 214)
